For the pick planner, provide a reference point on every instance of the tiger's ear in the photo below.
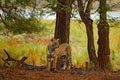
(52, 39)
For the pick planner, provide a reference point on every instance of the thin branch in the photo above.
(85, 5)
(9, 57)
(97, 10)
(89, 6)
(115, 4)
(80, 5)
(81, 10)
(6, 62)
(20, 62)
(4, 22)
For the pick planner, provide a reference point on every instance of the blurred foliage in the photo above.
(24, 26)
(21, 16)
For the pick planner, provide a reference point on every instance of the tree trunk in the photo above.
(91, 47)
(103, 46)
(85, 16)
(103, 41)
(63, 14)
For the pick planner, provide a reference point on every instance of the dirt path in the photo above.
(19, 74)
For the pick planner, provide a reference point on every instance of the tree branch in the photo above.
(81, 10)
(80, 5)
(115, 4)
(9, 57)
(89, 6)
(4, 22)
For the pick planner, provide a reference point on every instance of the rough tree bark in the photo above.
(103, 41)
(85, 16)
(63, 14)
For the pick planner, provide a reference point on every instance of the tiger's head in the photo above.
(54, 43)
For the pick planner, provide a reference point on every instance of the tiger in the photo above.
(58, 55)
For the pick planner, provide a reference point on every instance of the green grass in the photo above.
(78, 41)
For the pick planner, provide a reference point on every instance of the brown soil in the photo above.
(20, 74)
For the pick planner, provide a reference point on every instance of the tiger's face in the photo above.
(51, 49)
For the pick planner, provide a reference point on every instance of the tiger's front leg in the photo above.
(69, 63)
(54, 64)
(49, 65)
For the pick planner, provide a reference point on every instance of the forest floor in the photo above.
(21, 74)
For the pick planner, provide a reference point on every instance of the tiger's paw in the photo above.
(53, 70)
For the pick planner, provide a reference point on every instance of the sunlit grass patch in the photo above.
(79, 57)
(37, 54)
(115, 60)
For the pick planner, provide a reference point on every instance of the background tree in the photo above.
(84, 11)
(103, 41)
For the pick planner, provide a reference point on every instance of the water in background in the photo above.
(95, 16)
